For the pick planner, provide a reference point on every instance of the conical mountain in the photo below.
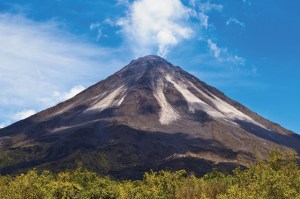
(148, 115)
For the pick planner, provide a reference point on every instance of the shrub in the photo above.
(278, 177)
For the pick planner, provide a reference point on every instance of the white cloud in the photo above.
(109, 22)
(96, 27)
(61, 96)
(38, 59)
(74, 91)
(2, 126)
(23, 114)
(215, 50)
(234, 21)
(203, 20)
(223, 55)
(205, 8)
(155, 26)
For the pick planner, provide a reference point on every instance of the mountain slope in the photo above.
(148, 115)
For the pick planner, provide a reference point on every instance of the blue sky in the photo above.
(249, 49)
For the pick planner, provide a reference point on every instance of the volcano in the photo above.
(150, 115)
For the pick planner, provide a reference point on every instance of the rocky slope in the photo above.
(148, 115)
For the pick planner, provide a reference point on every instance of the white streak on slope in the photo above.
(194, 102)
(167, 113)
(99, 96)
(109, 101)
(63, 110)
(121, 100)
(228, 110)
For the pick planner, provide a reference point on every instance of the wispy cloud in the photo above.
(235, 21)
(205, 8)
(38, 59)
(61, 96)
(203, 19)
(97, 27)
(215, 50)
(202, 9)
(155, 26)
(41, 63)
(23, 114)
(223, 54)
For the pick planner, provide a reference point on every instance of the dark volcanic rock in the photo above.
(149, 115)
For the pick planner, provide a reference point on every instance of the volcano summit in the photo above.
(148, 115)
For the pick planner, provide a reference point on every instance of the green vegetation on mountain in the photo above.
(279, 177)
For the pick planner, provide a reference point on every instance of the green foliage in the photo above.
(279, 177)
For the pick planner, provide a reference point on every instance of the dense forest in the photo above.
(278, 177)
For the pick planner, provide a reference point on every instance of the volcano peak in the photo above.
(148, 115)
(153, 58)
(150, 62)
